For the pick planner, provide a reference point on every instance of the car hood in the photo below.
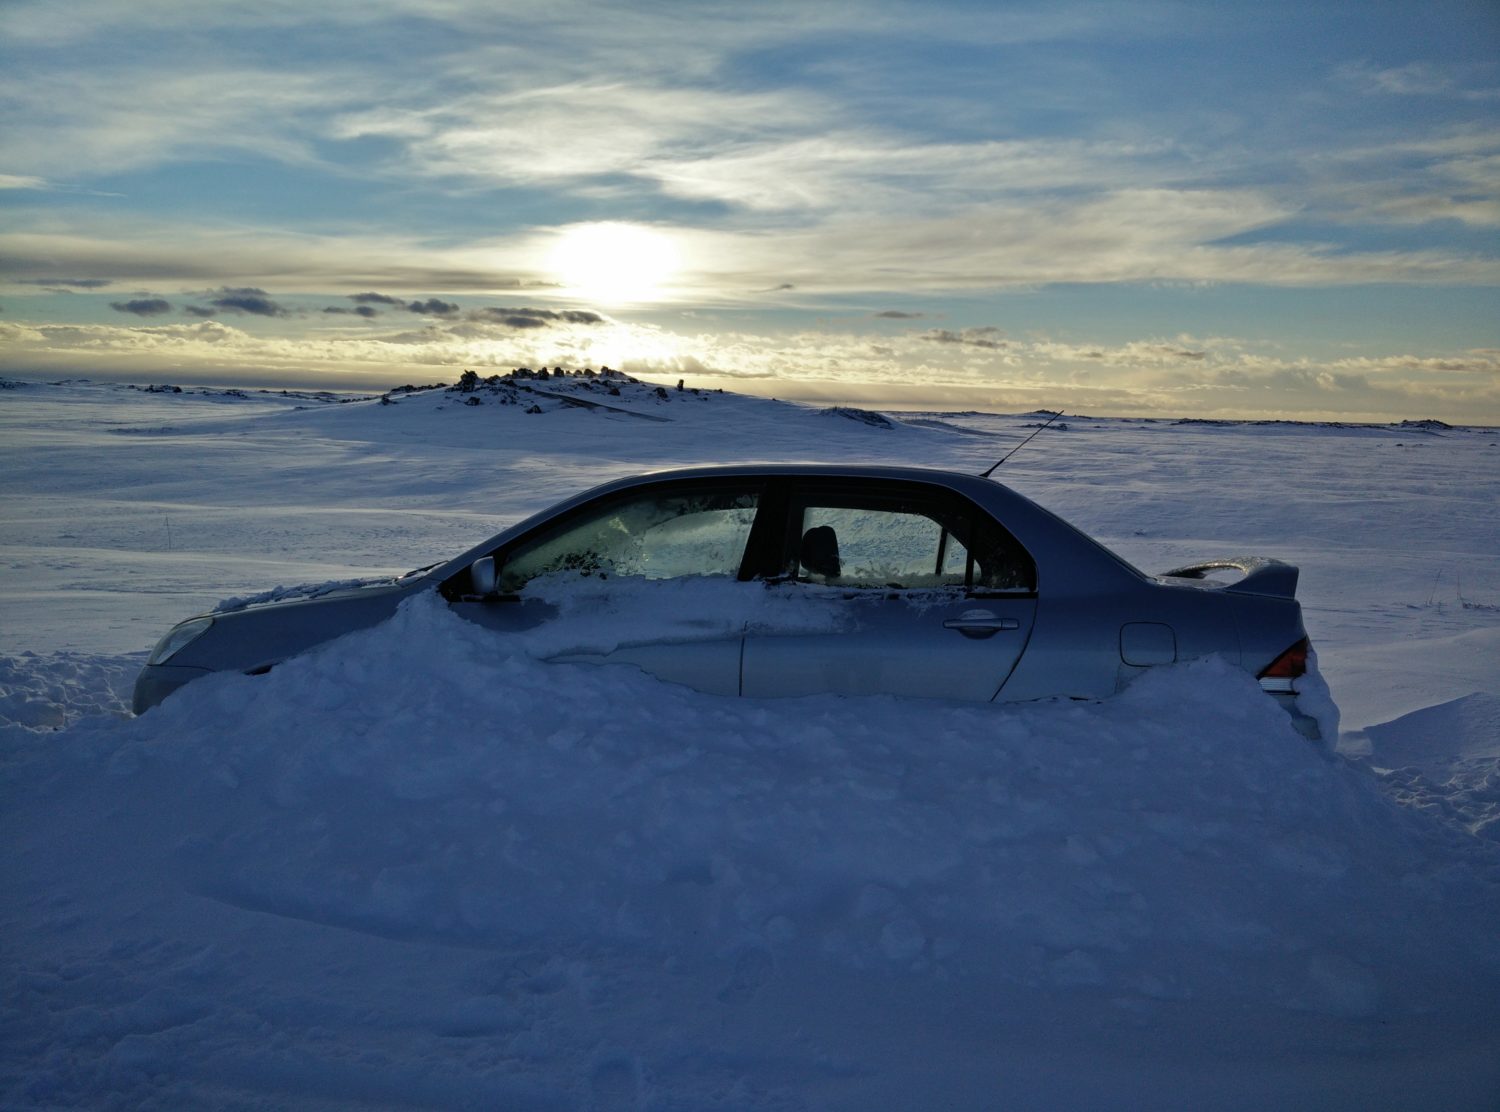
(306, 592)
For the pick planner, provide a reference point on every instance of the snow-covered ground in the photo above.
(420, 868)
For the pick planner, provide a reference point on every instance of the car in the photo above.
(928, 583)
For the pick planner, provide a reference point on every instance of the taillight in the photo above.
(1279, 674)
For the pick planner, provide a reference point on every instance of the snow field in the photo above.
(420, 868)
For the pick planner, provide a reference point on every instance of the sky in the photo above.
(1265, 210)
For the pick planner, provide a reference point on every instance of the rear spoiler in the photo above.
(1262, 575)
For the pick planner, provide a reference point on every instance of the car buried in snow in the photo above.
(940, 585)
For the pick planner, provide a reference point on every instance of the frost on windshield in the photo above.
(662, 535)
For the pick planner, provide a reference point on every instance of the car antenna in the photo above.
(1018, 447)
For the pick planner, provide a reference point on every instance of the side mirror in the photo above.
(482, 576)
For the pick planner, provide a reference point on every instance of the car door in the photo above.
(937, 598)
(649, 576)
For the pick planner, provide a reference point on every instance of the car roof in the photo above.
(955, 479)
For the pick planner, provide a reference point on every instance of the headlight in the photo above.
(178, 638)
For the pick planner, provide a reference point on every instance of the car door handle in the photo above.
(980, 623)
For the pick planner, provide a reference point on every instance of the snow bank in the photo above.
(1443, 759)
(615, 886)
(50, 691)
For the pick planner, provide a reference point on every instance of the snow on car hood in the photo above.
(303, 591)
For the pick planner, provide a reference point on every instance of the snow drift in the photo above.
(420, 868)
(889, 900)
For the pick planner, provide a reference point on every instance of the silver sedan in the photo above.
(942, 585)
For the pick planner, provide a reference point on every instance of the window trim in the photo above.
(770, 543)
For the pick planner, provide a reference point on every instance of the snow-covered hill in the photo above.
(420, 869)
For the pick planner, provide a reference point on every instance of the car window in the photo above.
(878, 548)
(903, 541)
(655, 534)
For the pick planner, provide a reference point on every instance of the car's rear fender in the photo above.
(1268, 627)
(1267, 620)
(1261, 604)
(1075, 644)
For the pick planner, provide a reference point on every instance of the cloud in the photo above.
(143, 307)
(647, 102)
(69, 121)
(147, 252)
(366, 311)
(969, 337)
(1478, 212)
(897, 314)
(864, 170)
(1414, 79)
(1126, 236)
(366, 302)
(851, 172)
(76, 283)
(535, 318)
(21, 334)
(248, 300)
(644, 105)
(21, 181)
(714, 30)
(1442, 176)
(436, 307)
(1420, 79)
(1136, 353)
(579, 129)
(432, 307)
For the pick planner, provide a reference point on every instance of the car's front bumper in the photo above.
(157, 681)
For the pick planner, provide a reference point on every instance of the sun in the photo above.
(613, 263)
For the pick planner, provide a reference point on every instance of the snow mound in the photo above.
(542, 391)
(450, 789)
(862, 416)
(597, 877)
(51, 691)
(1436, 737)
(1443, 760)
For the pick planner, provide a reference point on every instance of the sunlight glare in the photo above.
(613, 263)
